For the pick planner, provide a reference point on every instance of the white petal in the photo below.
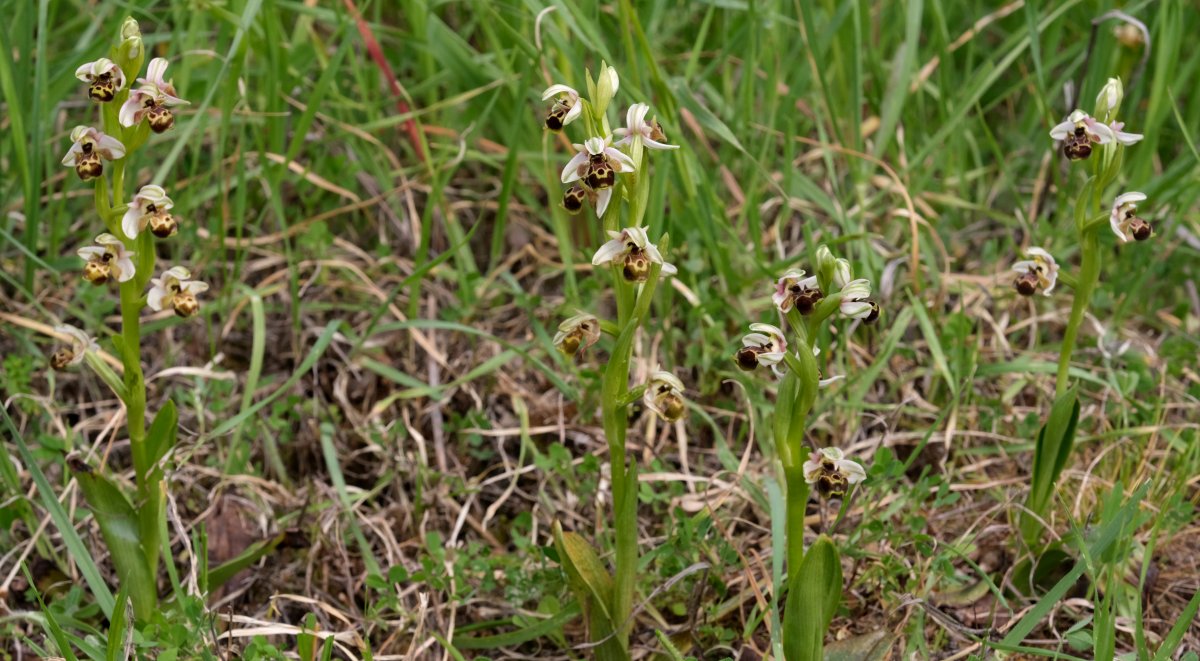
(1102, 133)
(1127, 138)
(608, 252)
(767, 328)
(89, 252)
(623, 162)
(852, 470)
(84, 72)
(131, 222)
(755, 339)
(573, 114)
(595, 145)
(125, 266)
(602, 200)
(75, 150)
(178, 273)
(1024, 266)
(1126, 198)
(156, 71)
(824, 383)
(194, 286)
(155, 298)
(555, 90)
(669, 269)
(110, 147)
(1077, 116)
(654, 144)
(128, 115)
(571, 171)
(1038, 252)
(1062, 130)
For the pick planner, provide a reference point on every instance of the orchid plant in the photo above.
(610, 170)
(814, 575)
(124, 256)
(1101, 141)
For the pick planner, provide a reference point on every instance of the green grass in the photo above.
(375, 374)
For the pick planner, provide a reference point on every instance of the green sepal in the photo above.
(119, 526)
(813, 596)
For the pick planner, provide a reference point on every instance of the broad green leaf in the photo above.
(119, 526)
(813, 596)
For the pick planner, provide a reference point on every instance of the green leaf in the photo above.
(62, 521)
(1175, 636)
(1054, 443)
(119, 526)
(534, 631)
(585, 572)
(161, 436)
(120, 633)
(812, 600)
(219, 575)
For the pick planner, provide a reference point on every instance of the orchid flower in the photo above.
(597, 163)
(1041, 271)
(856, 303)
(832, 472)
(793, 289)
(636, 126)
(664, 395)
(176, 289)
(150, 206)
(764, 345)
(105, 79)
(1078, 133)
(631, 247)
(153, 100)
(88, 146)
(578, 332)
(566, 108)
(107, 259)
(80, 344)
(1124, 219)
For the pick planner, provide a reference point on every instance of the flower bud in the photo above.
(607, 84)
(130, 53)
(1109, 98)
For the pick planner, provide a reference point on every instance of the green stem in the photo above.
(804, 368)
(1089, 275)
